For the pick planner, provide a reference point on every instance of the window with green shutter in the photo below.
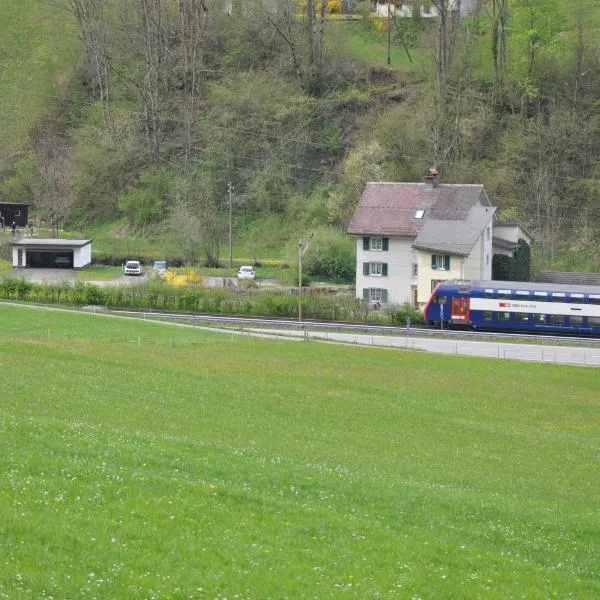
(366, 268)
(366, 294)
(384, 296)
(366, 244)
(385, 244)
(440, 262)
(384, 269)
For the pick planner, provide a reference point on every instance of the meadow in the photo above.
(141, 460)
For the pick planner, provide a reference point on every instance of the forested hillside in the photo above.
(154, 114)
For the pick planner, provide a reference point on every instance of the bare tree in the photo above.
(151, 13)
(90, 18)
(499, 17)
(283, 20)
(53, 189)
(449, 23)
(193, 16)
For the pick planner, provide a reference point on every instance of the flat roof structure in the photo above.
(49, 243)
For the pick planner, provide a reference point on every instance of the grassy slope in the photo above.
(145, 461)
(37, 55)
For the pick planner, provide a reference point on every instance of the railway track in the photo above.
(247, 323)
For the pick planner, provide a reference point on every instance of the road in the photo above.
(566, 355)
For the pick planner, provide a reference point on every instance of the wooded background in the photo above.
(144, 114)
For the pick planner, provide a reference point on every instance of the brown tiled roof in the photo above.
(389, 208)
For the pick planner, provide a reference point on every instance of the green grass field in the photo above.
(147, 461)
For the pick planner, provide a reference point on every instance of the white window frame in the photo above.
(439, 262)
(376, 244)
(415, 270)
(376, 294)
(376, 269)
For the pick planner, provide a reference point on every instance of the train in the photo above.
(517, 306)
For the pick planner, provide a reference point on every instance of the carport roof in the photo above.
(41, 243)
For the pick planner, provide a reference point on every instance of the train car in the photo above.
(515, 306)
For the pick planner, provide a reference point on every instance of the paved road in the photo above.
(568, 355)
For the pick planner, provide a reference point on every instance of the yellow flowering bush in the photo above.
(189, 277)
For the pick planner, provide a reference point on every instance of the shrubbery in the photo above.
(158, 296)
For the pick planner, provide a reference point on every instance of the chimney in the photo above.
(432, 177)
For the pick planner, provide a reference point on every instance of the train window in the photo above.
(522, 295)
(523, 317)
(488, 293)
(440, 299)
(575, 320)
(557, 319)
(503, 316)
(577, 298)
(504, 294)
(593, 321)
(593, 299)
(540, 318)
(558, 297)
(488, 315)
(541, 294)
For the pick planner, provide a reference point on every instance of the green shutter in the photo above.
(447, 262)
(365, 268)
(384, 269)
(385, 244)
(384, 295)
(366, 243)
(433, 261)
(366, 294)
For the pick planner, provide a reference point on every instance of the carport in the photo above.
(50, 253)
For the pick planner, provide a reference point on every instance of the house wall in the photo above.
(82, 256)
(399, 257)
(16, 255)
(426, 10)
(427, 274)
(478, 265)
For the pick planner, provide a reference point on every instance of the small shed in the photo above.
(50, 253)
(10, 211)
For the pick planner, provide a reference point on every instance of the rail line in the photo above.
(245, 323)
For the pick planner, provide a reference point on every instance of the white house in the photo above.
(410, 236)
(427, 10)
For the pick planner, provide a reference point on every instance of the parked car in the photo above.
(159, 267)
(63, 261)
(133, 267)
(246, 272)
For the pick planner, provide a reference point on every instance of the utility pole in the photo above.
(389, 32)
(230, 190)
(302, 248)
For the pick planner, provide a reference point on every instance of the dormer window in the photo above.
(419, 213)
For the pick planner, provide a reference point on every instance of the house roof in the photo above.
(512, 225)
(499, 242)
(453, 219)
(454, 235)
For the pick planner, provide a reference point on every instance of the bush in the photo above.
(405, 315)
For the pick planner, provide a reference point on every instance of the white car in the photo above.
(246, 272)
(132, 267)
